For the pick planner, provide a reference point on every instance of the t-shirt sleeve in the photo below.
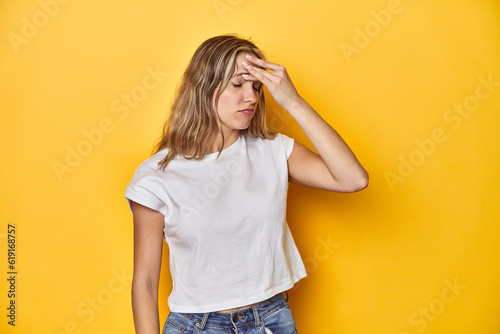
(146, 188)
(287, 144)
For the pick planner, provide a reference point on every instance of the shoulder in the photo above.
(277, 138)
(147, 185)
(151, 165)
(279, 144)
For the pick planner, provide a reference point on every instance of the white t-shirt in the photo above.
(225, 223)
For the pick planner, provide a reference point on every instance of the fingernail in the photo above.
(245, 75)
(249, 57)
(244, 63)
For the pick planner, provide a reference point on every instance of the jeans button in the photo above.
(235, 318)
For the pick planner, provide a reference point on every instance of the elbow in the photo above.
(144, 285)
(363, 182)
(357, 184)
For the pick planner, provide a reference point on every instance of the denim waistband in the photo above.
(251, 315)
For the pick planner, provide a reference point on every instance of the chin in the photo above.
(243, 126)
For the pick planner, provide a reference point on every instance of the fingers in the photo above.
(269, 74)
(274, 77)
(264, 63)
(258, 73)
(249, 77)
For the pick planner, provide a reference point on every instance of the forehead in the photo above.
(239, 69)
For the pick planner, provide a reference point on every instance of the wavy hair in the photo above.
(193, 122)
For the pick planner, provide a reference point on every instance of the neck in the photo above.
(229, 139)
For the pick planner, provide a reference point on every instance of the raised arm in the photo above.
(148, 244)
(336, 167)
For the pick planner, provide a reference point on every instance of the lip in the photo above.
(247, 111)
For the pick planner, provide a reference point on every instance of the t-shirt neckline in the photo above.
(228, 150)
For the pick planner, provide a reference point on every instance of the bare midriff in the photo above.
(237, 309)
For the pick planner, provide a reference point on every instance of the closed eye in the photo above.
(258, 88)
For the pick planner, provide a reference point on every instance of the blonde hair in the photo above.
(193, 122)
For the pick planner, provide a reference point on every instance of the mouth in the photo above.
(248, 111)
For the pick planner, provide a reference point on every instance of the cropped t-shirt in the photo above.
(225, 224)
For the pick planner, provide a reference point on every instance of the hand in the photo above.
(277, 81)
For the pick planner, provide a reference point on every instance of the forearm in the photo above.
(338, 168)
(145, 308)
(336, 154)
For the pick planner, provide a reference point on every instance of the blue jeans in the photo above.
(272, 316)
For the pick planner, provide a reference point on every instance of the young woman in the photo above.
(216, 190)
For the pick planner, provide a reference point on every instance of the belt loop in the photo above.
(256, 315)
(203, 322)
(286, 292)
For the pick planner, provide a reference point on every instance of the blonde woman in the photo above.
(216, 191)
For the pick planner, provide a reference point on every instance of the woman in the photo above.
(216, 190)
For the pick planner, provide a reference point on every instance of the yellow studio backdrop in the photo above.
(413, 86)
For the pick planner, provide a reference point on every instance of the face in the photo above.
(238, 101)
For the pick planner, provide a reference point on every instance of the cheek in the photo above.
(227, 99)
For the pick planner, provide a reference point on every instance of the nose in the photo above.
(251, 95)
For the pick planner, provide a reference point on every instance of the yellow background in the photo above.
(380, 261)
